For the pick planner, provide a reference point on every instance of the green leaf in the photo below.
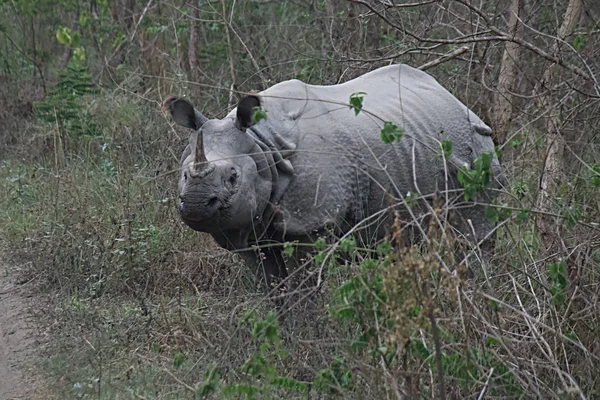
(419, 348)
(491, 213)
(384, 248)
(83, 19)
(320, 257)
(368, 264)
(79, 54)
(477, 179)
(580, 42)
(211, 381)
(259, 115)
(239, 389)
(595, 179)
(178, 360)
(288, 248)
(447, 148)
(348, 245)
(320, 244)
(391, 132)
(63, 35)
(523, 215)
(415, 311)
(156, 29)
(356, 102)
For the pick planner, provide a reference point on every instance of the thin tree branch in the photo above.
(443, 58)
(230, 55)
(37, 66)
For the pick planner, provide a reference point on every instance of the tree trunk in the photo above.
(503, 98)
(193, 46)
(554, 168)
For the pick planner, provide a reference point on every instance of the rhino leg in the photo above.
(267, 264)
(479, 233)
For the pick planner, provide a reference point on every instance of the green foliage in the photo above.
(348, 245)
(67, 37)
(498, 213)
(411, 199)
(259, 115)
(580, 42)
(446, 148)
(263, 365)
(211, 381)
(559, 279)
(288, 248)
(356, 102)
(476, 180)
(306, 72)
(335, 379)
(63, 105)
(178, 360)
(595, 177)
(391, 133)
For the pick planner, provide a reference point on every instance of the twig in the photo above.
(132, 34)
(443, 58)
(487, 381)
(438, 353)
(185, 385)
(230, 55)
(37, 66)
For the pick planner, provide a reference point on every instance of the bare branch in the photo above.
(444, 58)
(500, 36)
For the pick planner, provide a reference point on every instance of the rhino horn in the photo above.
(200, 160)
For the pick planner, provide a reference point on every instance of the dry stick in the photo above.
(230, 55)
(407, 5)
(258, 69)
(526, 316)
(438, 352)
(496, 333)
(37, 66)
(132, 34)
(487, 381)
(443, 58)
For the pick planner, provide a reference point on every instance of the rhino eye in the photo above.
(185, 176)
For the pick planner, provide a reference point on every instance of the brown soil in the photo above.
(17, 339)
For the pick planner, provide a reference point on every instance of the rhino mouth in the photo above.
(211, 213)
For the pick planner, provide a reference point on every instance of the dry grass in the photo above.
(141, 307)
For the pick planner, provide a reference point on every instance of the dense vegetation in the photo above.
(139, 306)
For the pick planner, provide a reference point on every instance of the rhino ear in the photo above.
(245, 112)
(184, 113)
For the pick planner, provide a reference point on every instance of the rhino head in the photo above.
(223, 185)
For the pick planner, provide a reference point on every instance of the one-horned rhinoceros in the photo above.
(314, 165)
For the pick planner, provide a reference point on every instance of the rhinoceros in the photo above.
(313, 164)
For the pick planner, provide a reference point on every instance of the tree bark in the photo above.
(503, 98)
(193, 46)
(553, 173)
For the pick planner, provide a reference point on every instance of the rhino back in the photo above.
(342, 168)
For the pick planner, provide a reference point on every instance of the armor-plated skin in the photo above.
(314, 165)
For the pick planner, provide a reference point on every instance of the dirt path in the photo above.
(17, 339)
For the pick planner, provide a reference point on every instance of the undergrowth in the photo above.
(146, 308)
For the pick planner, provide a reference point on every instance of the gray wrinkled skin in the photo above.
(314, 166)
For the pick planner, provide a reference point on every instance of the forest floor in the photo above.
(18, 338)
